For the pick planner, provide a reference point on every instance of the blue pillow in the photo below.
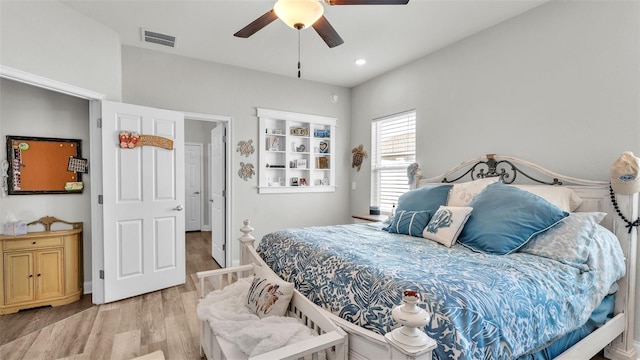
(427, 198)
(504, 218)
(409, 222)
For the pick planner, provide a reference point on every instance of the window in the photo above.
(393, 147)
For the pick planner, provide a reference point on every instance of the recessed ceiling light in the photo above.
(360, 62)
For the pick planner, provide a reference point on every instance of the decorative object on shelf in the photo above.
(321, 133)
(245, 147)
(273, 143)
(299, 131)
(246, 171)
(359, 154)
(300, 148)
(273, 131)
(322, 162)
(412, 170)
(324, 147)
(325, 181)
(303, 182)
(294, 181)
(412, 318)
(130, 140)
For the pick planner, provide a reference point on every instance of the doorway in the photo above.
(194, 192)
(212, 132)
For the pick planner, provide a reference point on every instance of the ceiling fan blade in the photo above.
(257, 24)
(367, 2)
(327, 32)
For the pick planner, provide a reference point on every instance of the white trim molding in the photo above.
(49, 84)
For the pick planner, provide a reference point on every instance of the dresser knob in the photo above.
(33, 243)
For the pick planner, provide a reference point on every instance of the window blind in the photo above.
(393, 144)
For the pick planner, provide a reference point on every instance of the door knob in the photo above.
(178, 208)
(197, 192)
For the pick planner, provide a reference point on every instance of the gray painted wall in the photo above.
(49, 39)
(557, 85)
(166, 81)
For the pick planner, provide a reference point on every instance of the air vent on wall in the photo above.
(157, 38)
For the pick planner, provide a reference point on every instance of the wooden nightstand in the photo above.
(360, 218)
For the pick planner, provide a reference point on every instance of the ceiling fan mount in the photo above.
(300, 14)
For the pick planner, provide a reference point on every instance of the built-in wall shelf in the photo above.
(296, 152)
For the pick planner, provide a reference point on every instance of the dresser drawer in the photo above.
(32, 243)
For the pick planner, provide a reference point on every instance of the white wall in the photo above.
(49, 39)
(558, 85)
(172, 82)
(29, 111)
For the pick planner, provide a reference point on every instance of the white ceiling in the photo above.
(386, 35)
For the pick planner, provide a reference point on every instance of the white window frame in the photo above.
(385, 193)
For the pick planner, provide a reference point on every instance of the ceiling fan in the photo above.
(300, 14)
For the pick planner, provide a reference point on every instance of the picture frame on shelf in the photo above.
(294, 181)
(301, 163)
(303, 182)
(323, 147)
(322, 162)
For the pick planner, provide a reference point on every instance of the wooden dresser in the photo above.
(41, 268)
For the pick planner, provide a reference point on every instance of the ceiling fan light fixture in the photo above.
(299, 14)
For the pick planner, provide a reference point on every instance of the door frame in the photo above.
(95, 175)
(229, 184)
(95, 157)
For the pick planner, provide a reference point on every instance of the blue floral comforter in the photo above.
(482, 306)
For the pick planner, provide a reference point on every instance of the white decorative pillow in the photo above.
(446, 224)
(462, 194)
(562, 197)
(268, 295)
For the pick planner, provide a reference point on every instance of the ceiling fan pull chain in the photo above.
(298, 53)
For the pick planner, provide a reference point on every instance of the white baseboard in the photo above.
(87, 287)
(206, 228)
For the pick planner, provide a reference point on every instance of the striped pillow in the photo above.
(409, 222)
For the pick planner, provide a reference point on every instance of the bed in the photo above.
(525, 300)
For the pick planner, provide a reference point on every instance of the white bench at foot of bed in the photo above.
(331, 340)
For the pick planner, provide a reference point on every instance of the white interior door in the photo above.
(218, 193)
(143, 199)
(193, 193)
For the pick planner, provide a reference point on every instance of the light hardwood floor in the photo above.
(163, 320)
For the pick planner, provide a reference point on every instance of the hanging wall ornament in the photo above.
(130, 140)
(359, 154)
(246, 171)
(245, 147)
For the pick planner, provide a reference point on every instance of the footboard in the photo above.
(331, 340)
